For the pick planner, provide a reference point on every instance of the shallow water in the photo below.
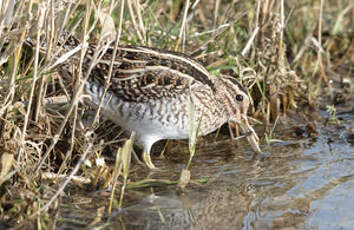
(303, 183)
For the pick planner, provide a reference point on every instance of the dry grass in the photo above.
(285, 52)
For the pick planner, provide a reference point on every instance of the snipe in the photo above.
(150, 89)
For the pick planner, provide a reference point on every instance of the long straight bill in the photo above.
(252, 138)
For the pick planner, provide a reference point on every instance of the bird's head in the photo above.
(237, 101)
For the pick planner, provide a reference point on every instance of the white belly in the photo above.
(154, 119)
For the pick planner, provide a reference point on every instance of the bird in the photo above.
(150, 91)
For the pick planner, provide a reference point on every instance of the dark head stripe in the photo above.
(236, 82)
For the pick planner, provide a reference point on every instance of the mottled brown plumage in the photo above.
(150, 90)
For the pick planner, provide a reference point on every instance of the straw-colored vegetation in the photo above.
(287, 54)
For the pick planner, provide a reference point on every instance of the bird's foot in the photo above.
(148, 162)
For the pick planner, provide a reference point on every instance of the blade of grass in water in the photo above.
(116, 172)
(126, 157)
(193, 130)
(123, 158)
(193, 134)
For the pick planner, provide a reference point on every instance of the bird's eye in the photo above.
(239, 97)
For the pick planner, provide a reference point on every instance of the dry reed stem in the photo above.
(35, 76)
(281, 52)
(135, 25)
(216, 12)
(77, 95)
(319, 65)
(108, 80)
(247, 48)
(67, 15)
(42, 88)
(137, 6)
(7, 20)
(183, 25)
(7, 13)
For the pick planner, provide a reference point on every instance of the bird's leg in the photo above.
(147, 160)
